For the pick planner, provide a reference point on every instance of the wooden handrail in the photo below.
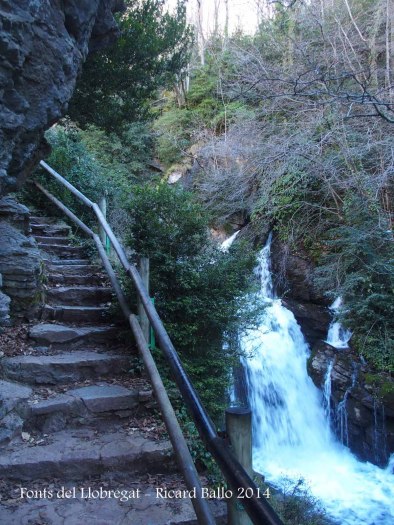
(258, 509)
(184, 458)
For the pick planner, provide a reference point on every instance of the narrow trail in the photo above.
(85, 446)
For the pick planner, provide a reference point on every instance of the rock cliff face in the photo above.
(20, 263)
(294, 280)
(42, 46)
(361, 403)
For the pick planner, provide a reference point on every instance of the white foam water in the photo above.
(226, 245)
(291, 433)
(338, 336)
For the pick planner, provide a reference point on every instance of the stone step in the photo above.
(63, 240)
(63, 368)
(86, 405)
(79, 295)
(35, 219)
(75, 314)
(73, 455)
(58, 334)
(51, 229)
(81, 405)
(65, 252)
(88, 279)
(86, 268)
(81, 506)
(59, 263)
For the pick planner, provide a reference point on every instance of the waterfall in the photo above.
(338, 336)
(291, 435)
(225, 246)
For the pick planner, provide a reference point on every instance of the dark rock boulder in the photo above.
(313, 318)
(13, 398)
(20, 262)
(361, 402)
(294, 273)
(294, 280)
(42, 45)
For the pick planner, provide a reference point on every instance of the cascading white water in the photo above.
(291, 433)
(226, 245)
(338, 336)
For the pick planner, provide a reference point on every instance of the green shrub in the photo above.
(359, 266)
(296, 505)
(198, 290)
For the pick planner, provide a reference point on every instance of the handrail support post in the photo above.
(239, 432)
(143, 269)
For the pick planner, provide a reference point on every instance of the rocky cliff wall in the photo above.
(293, 275)
(43, 44)
(361, 402)
(20, 263)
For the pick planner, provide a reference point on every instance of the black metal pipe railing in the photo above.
(258, 509)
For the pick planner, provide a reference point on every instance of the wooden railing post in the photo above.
(143, 269)
(239, 432)
(103, 234)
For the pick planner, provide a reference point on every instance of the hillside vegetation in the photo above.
(294, 127)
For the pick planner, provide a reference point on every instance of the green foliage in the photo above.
(291, 204)
(71, 158)
(198, 290)
(173, 135)
(118, 82)
(206, 107)
(123, 155)
(359, 266)
(296, 506)
(201, 457)
(96, 163)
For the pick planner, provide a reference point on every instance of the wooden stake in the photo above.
(239, 432)
(143, 269)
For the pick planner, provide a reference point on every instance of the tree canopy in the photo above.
(117, 82)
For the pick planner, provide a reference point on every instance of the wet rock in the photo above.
(366, 421)
(313, 318)
(294, 273)
(294, 280)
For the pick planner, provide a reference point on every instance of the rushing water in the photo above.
(291, 432)
(225, 246)
(338, 336)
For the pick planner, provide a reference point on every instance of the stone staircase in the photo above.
(79, 429)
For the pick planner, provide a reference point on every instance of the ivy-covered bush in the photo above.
(198, 290)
